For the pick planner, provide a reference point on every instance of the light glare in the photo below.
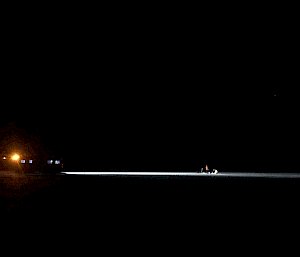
(15, 157)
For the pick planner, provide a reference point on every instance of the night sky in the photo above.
(145, 87)
(138, 91)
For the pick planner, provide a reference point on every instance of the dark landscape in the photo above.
(154, 90)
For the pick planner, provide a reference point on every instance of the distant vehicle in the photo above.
(54, 165)
(25, 163)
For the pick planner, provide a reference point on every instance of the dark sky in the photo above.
(157, 89)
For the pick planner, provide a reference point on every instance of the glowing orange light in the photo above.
(15, 157)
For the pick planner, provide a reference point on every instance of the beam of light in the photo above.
(191, 174)
(259, 175)
(108, 173)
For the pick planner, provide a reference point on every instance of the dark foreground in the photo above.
(63, 207)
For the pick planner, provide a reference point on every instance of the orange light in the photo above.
(15, 157)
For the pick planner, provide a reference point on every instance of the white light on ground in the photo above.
(191, 174)
(137, 173)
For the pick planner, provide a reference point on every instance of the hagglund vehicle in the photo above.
(25, 163)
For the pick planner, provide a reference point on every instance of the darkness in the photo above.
(133, 90)
(151, 88)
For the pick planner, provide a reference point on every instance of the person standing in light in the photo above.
(207, 170)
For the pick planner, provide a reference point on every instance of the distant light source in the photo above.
(4, 158)
(15, 157)
(23, 161)
(30, 161)
(50, 161)
(57, 162)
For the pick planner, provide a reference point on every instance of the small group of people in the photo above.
(205, 169)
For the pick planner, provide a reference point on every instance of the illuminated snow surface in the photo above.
(190, 174)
